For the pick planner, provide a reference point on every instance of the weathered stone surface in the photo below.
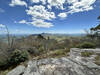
(61, 66)
(17, 71)
(73, 65)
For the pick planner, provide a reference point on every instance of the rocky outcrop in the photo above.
(58, 66)
(17, 71)
(74, 52)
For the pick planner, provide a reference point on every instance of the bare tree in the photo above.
(10, 39)
(8, 35)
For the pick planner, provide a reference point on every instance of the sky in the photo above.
(48, 16)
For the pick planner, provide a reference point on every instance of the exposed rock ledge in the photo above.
(58, 66)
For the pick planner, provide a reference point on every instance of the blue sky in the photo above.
(49, 16)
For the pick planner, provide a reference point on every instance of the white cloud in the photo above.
(45, 10)
(35, 1)
(38, 1)
(1, 10)
(39, 12)
(37, 23)
(72, 1)
(62, 15)
(43, 1)
(80, 6)
(49, 7)
(18, 2)
(2, 26)
(57, 3)
(23, 22)
(41, 23)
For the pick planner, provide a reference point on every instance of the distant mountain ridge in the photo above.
(45, 34)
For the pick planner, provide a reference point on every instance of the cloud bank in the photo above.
(42, 11)
(17, 2)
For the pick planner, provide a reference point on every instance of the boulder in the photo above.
(17, 71)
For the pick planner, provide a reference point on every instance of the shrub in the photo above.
(67, 50)
(97, 60)
(4, 64)
(86, 45)
(4, 72)
(86, 54)
(41, 49)
(33, 51)
(18, 56)
(58, 53)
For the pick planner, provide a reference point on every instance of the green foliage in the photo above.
(58, 53)
(67, 50)
(41, 49)
(86, 54)
(33, 51)
(18, 56)
(86, 45)
(97, 59)
(4, 64)
(4, 72)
